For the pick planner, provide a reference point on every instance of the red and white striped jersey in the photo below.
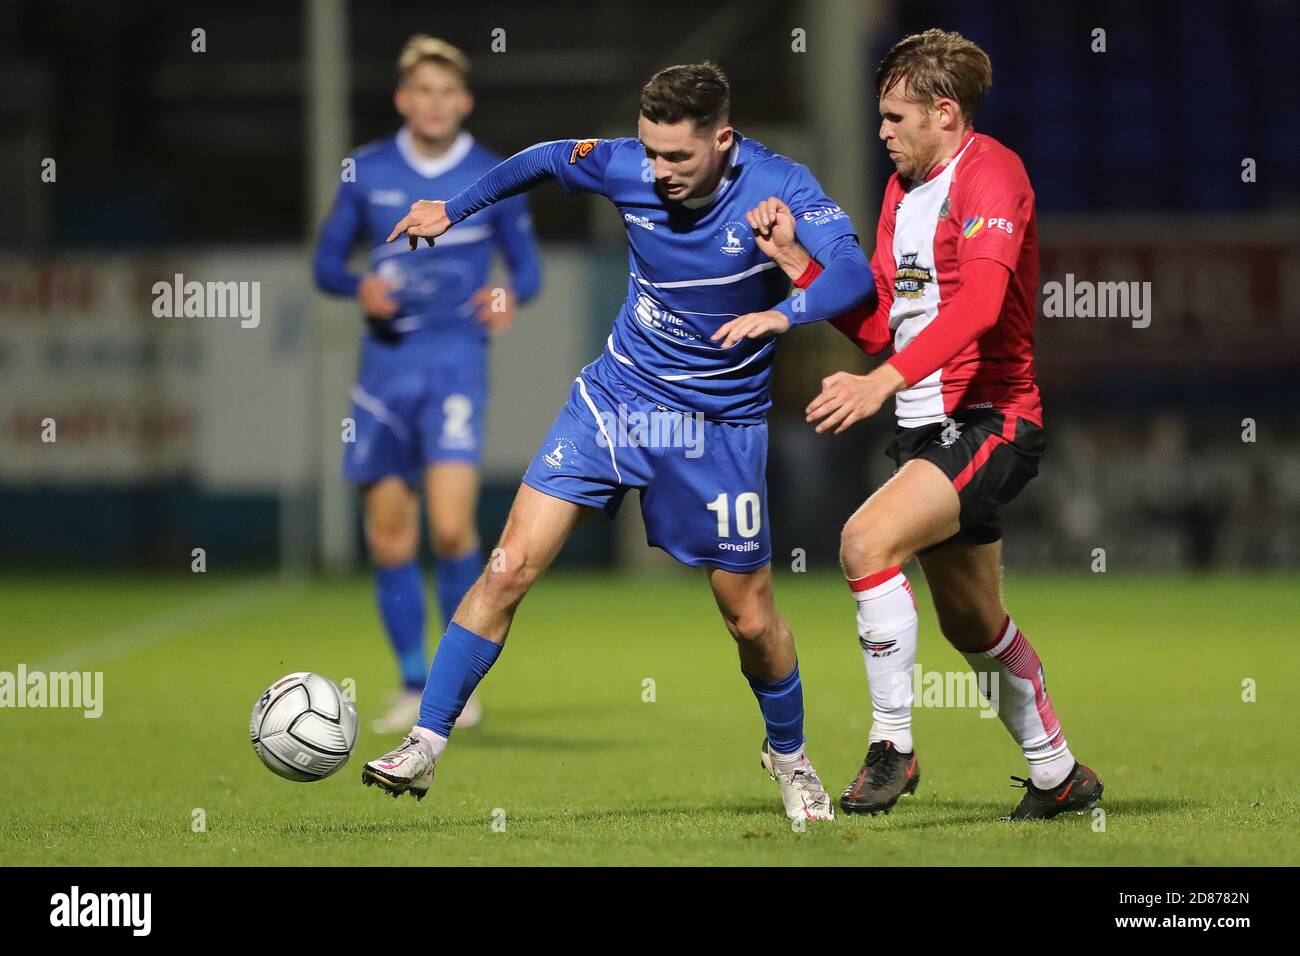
(979, 205)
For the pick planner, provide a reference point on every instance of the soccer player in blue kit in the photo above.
(691, 350)
(421, 390)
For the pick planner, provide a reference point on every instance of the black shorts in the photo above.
(988, 455)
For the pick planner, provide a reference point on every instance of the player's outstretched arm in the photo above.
(521, 172)
(427, 220)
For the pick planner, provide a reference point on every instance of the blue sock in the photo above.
(462, 660)
(781, 702)
(400, 594)
(455, 577)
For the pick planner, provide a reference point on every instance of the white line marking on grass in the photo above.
(229, 604)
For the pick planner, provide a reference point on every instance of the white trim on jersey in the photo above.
(600, 423)
(721, 371)
(432, 166)
(609, 344)
(719, 280)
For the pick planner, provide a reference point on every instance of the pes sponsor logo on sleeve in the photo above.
(975, 224)
(581, 150)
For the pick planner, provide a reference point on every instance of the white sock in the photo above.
(436, 743)
(787, 762)
(1016, 679)
(887, 625)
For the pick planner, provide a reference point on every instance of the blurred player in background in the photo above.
(956, 265)
(692, 347)
(421, 390)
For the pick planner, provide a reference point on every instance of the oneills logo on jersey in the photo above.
(910, 279)
(580, 150)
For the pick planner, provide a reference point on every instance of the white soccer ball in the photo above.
(303, 727)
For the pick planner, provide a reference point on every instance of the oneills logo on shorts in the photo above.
(581, 149)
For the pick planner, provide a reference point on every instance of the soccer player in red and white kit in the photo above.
(956, 268)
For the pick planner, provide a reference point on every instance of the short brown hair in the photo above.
(423, 48)
(698, 92)
(938, 64)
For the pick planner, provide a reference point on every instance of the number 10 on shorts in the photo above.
(749, 514)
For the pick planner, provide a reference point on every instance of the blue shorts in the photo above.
(703, 484)
(410, 414)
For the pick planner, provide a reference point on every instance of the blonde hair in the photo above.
(937, 65)
(423, 48)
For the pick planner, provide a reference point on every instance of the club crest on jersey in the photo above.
(911, 277)
(971, 226)
(733, 235)
(563, 451)
(581, 150)
(943, 210)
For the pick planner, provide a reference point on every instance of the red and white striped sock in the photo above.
(887, 632)
(1016, 678)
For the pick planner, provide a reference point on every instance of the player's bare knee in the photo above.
(391, 543)
(866, 547)
(508, 577)
(453, 541)
(750, 625)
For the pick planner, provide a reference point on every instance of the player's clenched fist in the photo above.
(427, 220)
(774, 234)
(773, 226)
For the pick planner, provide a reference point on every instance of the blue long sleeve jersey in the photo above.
(693, 265)
(432, 286)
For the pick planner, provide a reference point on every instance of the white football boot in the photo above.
(407, 769)
(471, 716)
(801, 791)
(401, 714)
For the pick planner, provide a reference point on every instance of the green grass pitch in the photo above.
(1146, 674)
